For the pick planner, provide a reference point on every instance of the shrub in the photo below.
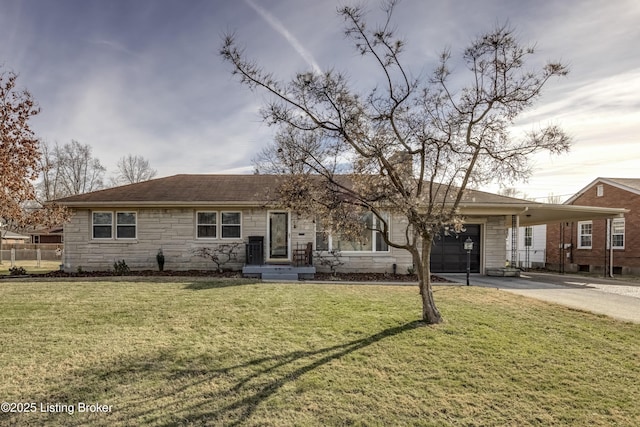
(220, 254)
(121, 268)
(17, 271)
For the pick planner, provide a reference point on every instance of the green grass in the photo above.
(30, 266)
(243, 353)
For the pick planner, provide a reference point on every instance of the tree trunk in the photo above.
(430, 313)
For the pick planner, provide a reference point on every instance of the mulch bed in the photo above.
(342, 277)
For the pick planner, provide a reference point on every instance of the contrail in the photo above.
(295, 44)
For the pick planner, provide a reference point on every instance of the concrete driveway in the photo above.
(614, 298)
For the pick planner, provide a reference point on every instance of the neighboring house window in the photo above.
(585, 234)
(370, 240)
(102, 225)
(231, 228)
(528, 236)
(617, 233)
(600, 190)
(207, 225)
(125, 225)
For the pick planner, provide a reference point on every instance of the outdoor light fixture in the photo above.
(468, 246)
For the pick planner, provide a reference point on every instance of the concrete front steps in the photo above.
(279, 272)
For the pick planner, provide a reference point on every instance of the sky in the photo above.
(145, 77)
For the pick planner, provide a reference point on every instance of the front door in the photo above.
(279, 235)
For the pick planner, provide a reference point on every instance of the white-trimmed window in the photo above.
(585, 234)
(231, 225)
(104, 223)
(207, 225)
(528, 237)
(371, 240)
(126, 225)
(617, 233)
(218, 225)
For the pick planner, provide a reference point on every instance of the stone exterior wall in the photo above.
(174, 231)
(495, 243)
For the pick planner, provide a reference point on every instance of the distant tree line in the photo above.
(70, 169)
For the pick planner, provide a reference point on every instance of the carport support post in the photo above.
(514, 241)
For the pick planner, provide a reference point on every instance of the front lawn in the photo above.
(236, 352)
(31, 266)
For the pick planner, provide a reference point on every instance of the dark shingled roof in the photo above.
(186, 189)
(259, 190)
(195, 189)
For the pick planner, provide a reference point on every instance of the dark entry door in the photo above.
(448, 254)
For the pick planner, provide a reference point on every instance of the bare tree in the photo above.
(69, 170)
(133, 169)
(408, 147)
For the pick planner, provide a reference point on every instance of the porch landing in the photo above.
(279, 272)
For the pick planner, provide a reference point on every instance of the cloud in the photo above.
(114, 46)
(277, 25)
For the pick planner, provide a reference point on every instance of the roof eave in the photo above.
(154, 204)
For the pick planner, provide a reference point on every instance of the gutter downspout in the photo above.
(610, 223)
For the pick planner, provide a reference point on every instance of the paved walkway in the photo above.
(614, 298)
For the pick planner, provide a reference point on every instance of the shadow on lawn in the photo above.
(220, 283)
(179, 394)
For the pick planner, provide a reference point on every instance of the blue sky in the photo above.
(144, 77)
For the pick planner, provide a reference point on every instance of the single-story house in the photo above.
(11, 238)
(182, 213)
(51, 235)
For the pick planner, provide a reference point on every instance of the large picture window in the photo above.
(370, 240)
(585, 234)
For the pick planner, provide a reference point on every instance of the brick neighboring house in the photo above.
(599, 245)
